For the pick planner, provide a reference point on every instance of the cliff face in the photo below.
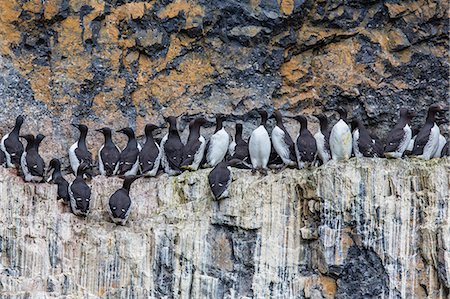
(360, 229)
(120, 63)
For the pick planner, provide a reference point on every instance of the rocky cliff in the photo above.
(361, 229)
(125, 62)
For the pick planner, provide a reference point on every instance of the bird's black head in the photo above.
(54, 163)
(19, 120)
(149, 128)
(172, 121)
(354, 124)
(104, 130)
(278, 116)
(200, 121)
(127, 131)
(81, 128)
(28, 137)
(301, 119)
(407, 113)
(234, 162)
(436, 108)
(342, 113)
(39, 138)
(323, 120)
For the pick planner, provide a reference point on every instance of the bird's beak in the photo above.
(99, 130)
(75, 125)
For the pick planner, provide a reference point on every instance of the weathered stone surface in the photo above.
(126, 63)
(382, 225)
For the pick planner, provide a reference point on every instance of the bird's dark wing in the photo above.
(63, 188)
(147, 156)
(110, 157)
(80, 189)
(119, 203)
(127, 159)
(83, 156)
(394, 139)
(35, 164)
(189, 153)
(206, 153)
(421, 140)
(241, 150)
(15, 148)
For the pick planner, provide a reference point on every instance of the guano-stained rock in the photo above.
(381, 230)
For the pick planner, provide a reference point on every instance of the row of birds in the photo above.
(174, 157)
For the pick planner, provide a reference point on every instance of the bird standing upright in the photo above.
(108, 155)
(218, 144)
(33, 166)
(119, 205)
(58, 179)
(11, 145)
(128, 161)
(305, 146)
(400, 136)
(282, 142)
(341, 138)
(150, 154)
(194, 149)
(323, 139)
(79, 153)
(259, 145)
(172, 149)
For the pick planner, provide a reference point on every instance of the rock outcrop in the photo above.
(128, 62)
(368, 228)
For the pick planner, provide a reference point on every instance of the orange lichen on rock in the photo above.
(192, 11)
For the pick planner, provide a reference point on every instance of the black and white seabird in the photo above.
(11, 145)
(33, 166)
(58, 179)
(282, 141)
(220, 178)
(150, 155)
(78, 152)
(194, 149)
(410, 146)
(172, 149)
(119, 206)
(128, 160)
(238, 149)
(341, 138)
(108, 155)
(218, 144)
(259, 145)
(80, 192)
(363, 144)
(305, 146)
(323, 139)
(399, 137)
(427, 140)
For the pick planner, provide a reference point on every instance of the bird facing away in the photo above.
(194, 149)
(150, 154)
(33, 166)
(399, 137)
(128, 160)
(58, 179)
(282, 141)
(323, 139)
(341, 138)
(427, 140)
(218, 144)
(119, 205)
(238, 149)
(259, 145)
(78, 152)
(172, 149)
(305, 146)
(11, 145)
(108, 155)
(363, 144)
